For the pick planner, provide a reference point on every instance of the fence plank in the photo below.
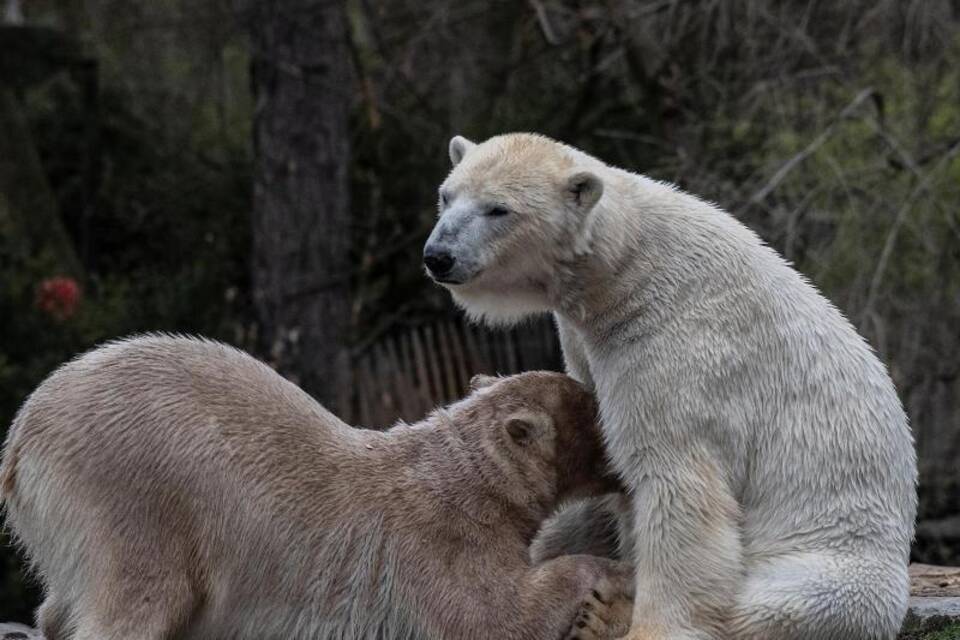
(367, 385)
(453, 390)
(480, 364)
(433, 365)
(463, 367)
(417, 377)
(421, 356)
(509, 346)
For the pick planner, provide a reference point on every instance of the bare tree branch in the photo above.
(548, 33)
(901, 217)
(811, 148)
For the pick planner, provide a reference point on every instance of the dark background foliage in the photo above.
(265, 172)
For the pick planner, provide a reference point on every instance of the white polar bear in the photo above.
(770, 466)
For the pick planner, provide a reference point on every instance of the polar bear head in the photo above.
(512, 210)
(538, 432)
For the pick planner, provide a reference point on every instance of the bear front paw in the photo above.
(604, 614)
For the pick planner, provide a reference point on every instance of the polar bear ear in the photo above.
(480, 381)
(520, 431)
(584, 190)
(525, 427)
(459, 146)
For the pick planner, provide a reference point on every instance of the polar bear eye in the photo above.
(497, 212)
(444, 199)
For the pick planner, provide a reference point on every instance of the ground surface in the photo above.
(934, 607)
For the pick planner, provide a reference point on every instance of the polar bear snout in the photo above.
(447, 266)
(451, 254)
(438, 261)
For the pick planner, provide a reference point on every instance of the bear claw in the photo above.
(597, 618)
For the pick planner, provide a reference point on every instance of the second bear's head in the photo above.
(540, 431)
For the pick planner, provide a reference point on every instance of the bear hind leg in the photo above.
(53, 618)
(821, 596)
(159, 610)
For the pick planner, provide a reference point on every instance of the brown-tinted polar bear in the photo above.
(769, 464)
(178, 488)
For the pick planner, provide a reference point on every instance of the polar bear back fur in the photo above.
(170, 487)
(769, 459)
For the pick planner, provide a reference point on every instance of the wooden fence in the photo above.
(407, 374)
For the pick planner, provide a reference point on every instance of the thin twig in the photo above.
(792, 163)
(548, 33)
(895, 229)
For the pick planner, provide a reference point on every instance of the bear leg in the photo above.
(591, 526)
(822, 596)
(604, 614)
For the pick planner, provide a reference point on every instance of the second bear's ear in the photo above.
(520, 431)
(480, 381)
(459, 146)
(525, 427)
(584, 190)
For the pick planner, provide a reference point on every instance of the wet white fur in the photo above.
(770, 463)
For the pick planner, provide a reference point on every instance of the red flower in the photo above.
(58, 297)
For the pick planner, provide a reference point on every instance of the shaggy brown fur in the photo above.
(171, 487)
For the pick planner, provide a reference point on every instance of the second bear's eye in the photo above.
(496, 212)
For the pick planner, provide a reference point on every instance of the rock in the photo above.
(932, 617)
(935, 603)
(927, 608)
(932, 581)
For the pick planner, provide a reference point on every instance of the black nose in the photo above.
(439, 262)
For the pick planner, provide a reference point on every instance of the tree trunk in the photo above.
(302, 84)
(12, 12)
(27, 204)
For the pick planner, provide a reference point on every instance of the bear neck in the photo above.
(653, 252)
(463, 477)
